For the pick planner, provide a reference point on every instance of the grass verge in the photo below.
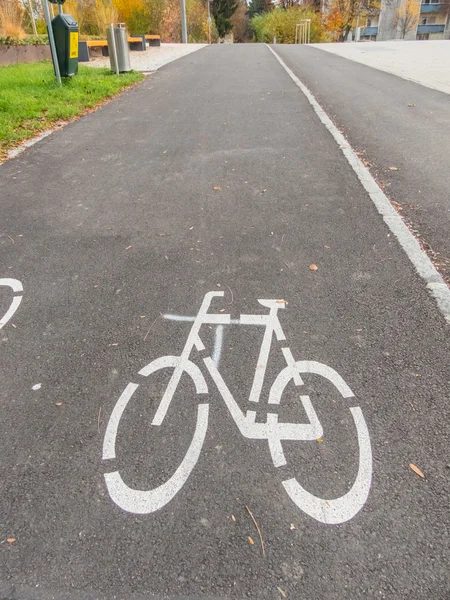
(31, 101)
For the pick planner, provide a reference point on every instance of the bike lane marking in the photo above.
(423, 265)
(16, 286)
(328, 511)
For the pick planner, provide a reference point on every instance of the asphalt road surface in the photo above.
(215, 175)
(401, 131)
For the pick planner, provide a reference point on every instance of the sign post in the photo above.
(52, 41)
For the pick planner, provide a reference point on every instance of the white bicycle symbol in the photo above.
(16, 286)
(331, 511)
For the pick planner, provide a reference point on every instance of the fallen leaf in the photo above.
(58, 403)
(251, 541)
(216, 187)
(313, 267)
(128, 247)
(222, 310)
(142, 317)
(37, 386)
(264, 191)
(320, 440)
(233, 517)
(282, 592)
(12, 325)
(11, 540)
(416, 470)
(162, 234)
(281, 302)
(411, 105)
(191, 228)
(327, 246)
(393, 168)
(292, 527)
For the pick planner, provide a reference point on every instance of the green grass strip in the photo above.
(31, 101)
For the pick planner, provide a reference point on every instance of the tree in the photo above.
(257, 7)
(11, 18)
(281, 23)
(241, 23)
(342, 15)
(222, 11)
(407, 16)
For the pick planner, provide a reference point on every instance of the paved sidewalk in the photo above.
(153, 58)
(427, 62)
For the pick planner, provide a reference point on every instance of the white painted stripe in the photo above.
(339, 510)
(109, 443)
(171, 317)
(14, 284)
(423, 265)
(11, 310)
(143, 502)
(218, 341)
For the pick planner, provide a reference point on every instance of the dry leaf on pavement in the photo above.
(216, 187)
(416, 470)
(251, 541)
(313, 267)
(393, 168)
(11, 540)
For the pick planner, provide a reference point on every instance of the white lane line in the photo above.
(423, 265)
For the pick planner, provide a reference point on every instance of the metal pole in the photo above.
(60, 9)
(52, 42)
(357, 21)
(33, 21)
(309, 31)
(209, 21)
(114, 49)
(183, 22)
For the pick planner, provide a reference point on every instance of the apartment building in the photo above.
(433, 23)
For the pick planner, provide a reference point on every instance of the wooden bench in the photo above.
(135, 43)
(153, 40)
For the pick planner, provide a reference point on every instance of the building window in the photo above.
(369, 22)
(431, 20)
(423, 36)
(424, 21)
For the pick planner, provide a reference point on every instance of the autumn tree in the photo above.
(407, 16)
(11, 17)
(257, 7)
(342, 15)
(222, 11)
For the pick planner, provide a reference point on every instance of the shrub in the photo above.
(280, 23)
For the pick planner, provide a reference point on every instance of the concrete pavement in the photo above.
(216, 175)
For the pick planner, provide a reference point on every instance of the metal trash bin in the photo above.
(117, 37)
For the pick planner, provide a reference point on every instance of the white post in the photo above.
(52, 42)
(33, 21)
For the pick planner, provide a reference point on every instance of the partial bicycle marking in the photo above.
(16, 286)
(330, 511)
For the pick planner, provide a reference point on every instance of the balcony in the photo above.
(430, 8)
(430, 29)
(369, 31)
